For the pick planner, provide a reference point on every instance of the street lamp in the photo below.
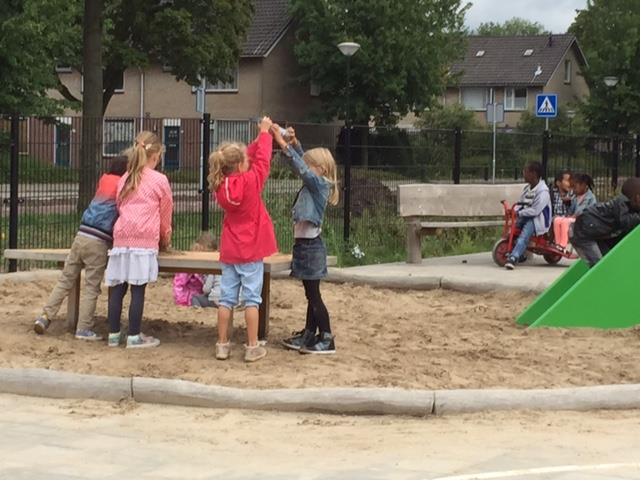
(348, 49)
(610, 81)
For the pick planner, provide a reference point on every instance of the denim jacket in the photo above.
(312, 198)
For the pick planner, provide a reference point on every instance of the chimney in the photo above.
(550, 43)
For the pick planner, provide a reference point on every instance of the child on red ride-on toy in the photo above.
(530, 216)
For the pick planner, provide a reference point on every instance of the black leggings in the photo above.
(116, 295)
(317, 314)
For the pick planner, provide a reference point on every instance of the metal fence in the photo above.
(43, 208)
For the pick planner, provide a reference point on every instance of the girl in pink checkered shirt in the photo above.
(145, 207)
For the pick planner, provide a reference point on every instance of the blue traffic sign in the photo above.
(547, 105)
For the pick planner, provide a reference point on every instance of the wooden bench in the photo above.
(470, 202)
(188, 262)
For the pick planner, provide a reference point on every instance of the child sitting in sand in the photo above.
(190, 289)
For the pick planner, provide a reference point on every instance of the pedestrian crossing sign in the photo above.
(547, 105)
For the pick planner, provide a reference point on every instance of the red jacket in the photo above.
(247, 230)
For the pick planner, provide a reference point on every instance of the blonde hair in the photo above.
(322, 158)
(204, 243)
(224, 161)
(146, 145)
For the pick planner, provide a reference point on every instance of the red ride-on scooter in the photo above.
(539, 244)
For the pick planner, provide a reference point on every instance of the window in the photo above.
(118, 136)
(167, 68)
(528, 52)
(480, 53)
(314, 89)
(476, 98)
(567, 71)
(119, 87)
(63, 69)
(220, 86)
(515, 98)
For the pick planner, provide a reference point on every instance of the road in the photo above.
(61, 439)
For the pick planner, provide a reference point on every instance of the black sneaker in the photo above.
(298, 339)
(509, 265)
(323, 346)
(41, 324)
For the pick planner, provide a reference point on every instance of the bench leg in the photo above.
(73, 305)
(263, 311)
(414, 247)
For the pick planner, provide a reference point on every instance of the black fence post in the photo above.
(545, 152)
(206, 147)
(615, 164)
(637, 169)
(347, 188)
(457, 154)
(13, 188)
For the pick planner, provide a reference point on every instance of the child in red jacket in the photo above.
(237, 176)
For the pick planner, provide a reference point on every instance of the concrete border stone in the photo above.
(601, 397)
(40, 382)
(361, 401)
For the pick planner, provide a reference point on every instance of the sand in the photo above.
(413, 339)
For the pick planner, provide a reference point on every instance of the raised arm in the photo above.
(294, 152)
(260, 152)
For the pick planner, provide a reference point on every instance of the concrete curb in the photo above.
(602, 397)
(360, 401)
(354, 401)
(39, 382)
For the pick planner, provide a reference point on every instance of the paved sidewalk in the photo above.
(470, 273)
(70, 440)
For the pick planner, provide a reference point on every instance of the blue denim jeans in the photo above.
(247, 275)
(527, 230)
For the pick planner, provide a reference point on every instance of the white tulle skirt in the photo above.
(136, 266)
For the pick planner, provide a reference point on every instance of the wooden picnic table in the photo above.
(187, 262)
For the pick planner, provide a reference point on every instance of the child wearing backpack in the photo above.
(88, 251)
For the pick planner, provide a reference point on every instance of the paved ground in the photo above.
(473, 272)
(61, 439)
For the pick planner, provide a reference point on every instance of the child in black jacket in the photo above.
(601, 226)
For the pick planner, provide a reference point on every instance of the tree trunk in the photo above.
(91, 147)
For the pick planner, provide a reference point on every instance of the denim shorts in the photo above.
(309, 259)
(247, 275)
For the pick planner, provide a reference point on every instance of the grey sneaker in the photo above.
(88, 335)
(114, 339)
(41, 324)
(223, 350)
(253, 354)
(298, 339)
(142, 341)
(323, 346)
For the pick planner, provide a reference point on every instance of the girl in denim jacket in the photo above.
(317, 169)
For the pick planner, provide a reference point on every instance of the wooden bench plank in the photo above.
(479, 223)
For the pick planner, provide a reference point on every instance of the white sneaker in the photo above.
(223, 350)
(142, 341)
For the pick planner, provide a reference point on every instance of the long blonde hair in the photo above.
(224, 161)
(322, 158)
(146, 145)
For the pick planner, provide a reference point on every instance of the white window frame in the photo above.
(225, 87)
(106, 121)
(567, 71)
(511, 106)
(528, 52)
(488, 96)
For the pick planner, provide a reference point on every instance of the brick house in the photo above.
(264, 82)
(513, 70)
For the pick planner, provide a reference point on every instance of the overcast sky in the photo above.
(555, 15)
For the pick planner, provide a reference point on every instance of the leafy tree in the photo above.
(447, 118)
(515, 26)
(609, 33)
(406, 47)
(32, 42)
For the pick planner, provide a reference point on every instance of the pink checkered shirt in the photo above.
(145, 214)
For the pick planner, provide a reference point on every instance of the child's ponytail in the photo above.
(146, 144)
(223, 162)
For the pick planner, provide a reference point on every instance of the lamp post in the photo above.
(348, 49)
(611, 82)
